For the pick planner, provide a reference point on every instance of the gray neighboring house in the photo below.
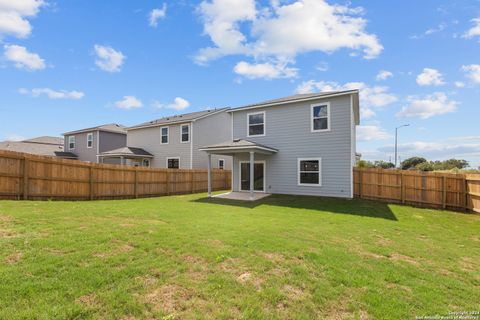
(43, 146)
(87, 144)
(302, 144)
(174, 141)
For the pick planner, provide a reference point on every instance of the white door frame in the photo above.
(264, 175)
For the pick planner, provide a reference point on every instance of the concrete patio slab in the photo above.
(242, 196)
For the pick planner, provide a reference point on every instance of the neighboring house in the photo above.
(174, 142)
(302, 144)
(88, 143)
(44, 146)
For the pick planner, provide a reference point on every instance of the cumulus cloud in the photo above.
(281, 31)
(53, 94)
(370, 97)
(22, 58)
(472, 72)
(459, 84)
(108, 59)
(177, 104)
(372, 132)
(430, 77)
(474, 31)
(157, 14)
(129, 102)
(383, 75)
(428, 106)
(14, 15)
(264, 70)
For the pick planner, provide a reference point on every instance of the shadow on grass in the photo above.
(357, 207)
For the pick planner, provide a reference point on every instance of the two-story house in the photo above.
(302, 144)
(174, 142)
(88, 143)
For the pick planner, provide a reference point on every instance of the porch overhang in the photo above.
(238, 146)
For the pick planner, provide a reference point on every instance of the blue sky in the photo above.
(67, 65)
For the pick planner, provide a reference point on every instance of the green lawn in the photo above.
(186, 257)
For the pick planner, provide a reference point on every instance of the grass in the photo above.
(187, 257)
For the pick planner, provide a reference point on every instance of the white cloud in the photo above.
(264, 70)
(473, 72)
(428, 106)
(281, 31)
(383, 75)
(23, 59)
(442, 26)
(157, 14)
(370, 97)
(474, 31)
(372, 132)
(53, 94)
(14, 15)
(108, 59)
(430, 77)
(322, 66)
(459, 84)
(178, 104)
(129, 102)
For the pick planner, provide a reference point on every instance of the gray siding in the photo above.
(149, 140)
(287, 128)
(110, 141)
(213, 129)
(81, 150)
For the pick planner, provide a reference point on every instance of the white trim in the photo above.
(223, 168)
(231, 127)
(293, 101)
(168, 135)
(181, 126)
(352, 144)
(74, 142)
(191, 146)
(319, 172)
(98, 145)
(90, 134)
(168, 158)
(264, 124)
(264, 175)
(329, 125)
(238, 148)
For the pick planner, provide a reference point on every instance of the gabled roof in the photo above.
(127, 151)
(46, 140)
(111, 127)
(181, 118)
(305, 97)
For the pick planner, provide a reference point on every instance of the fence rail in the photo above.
(455, 191)
(25, 176)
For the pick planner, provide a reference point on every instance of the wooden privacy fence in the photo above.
(455, 191)
(25, 176)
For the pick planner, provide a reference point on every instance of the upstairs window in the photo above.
(256, 124)
(90, 140)
(309, 172)
(164, 135)
(71, 142)
(221, 164)
(146, 163)
(320, 117)
(173, 163)
(185, 132)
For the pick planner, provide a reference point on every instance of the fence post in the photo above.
(191, 181)
(360, 182)
(135, 186)
(25, 178)
(168, 182)
(91, 195)
(465, 187)
(444, 192)
(403, 187)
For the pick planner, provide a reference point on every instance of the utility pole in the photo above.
(396, 139)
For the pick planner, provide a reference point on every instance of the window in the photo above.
(164, 135)
(71, 142)
(221, 164)
(90, 140)
(146, 163)
(173, 163)
(320, 117)
(309, 173)
(256, 124)
(185, 132)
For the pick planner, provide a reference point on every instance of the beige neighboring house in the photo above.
(43, 146)
(87, 144)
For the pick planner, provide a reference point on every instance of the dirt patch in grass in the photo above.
(14, 258)
(6, 234)
(5, 219)
(467, 264)
(400, 257)
(292, 292)
(398, 287)
(383, 241)
(88, 300)
(169, 298)
(124, 248)
(214, 243)
(273, 256)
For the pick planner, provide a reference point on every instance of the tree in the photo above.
(383, 164)
(455, 163)
(412, 162)
(425, 166)
(365, 164)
